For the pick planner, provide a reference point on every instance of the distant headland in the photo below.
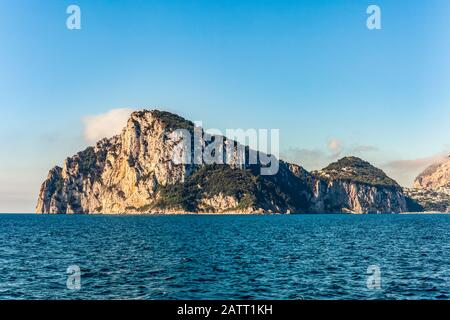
(135, 173)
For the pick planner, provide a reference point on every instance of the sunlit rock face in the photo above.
(135, 172)
(355, 186)
(117, 174)
(431, 188)
(436, 177)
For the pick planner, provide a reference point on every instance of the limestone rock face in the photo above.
(344, 196)
(436, 177)
(353, 185)
(135, 172)
(119, 173)
(431, 189)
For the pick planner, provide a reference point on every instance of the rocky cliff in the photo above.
(431, 189)
(435, 177)
(134, 172)
(355, 186)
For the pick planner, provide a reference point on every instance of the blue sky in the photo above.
(310, 68)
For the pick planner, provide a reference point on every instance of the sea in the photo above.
(299, 257)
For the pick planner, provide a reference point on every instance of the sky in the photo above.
(309, 68)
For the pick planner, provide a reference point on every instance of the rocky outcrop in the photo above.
(431, 189)
(436, 177)
(117, 173)
(429, 200)
(355, 186)
(135, 172)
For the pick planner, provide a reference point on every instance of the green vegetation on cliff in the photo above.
(210, 181)
(354, 169)
(278, 192)
(171, 120)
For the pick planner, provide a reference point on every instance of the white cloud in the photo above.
(335, 145)
(105, 125)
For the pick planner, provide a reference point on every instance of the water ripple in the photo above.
(225, 257)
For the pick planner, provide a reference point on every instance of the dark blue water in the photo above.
(225, 257)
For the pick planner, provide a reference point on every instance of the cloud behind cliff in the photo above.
(406, 170)
(105, 125)
(318, 158)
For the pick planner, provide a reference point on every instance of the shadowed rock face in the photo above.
(134, 173)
